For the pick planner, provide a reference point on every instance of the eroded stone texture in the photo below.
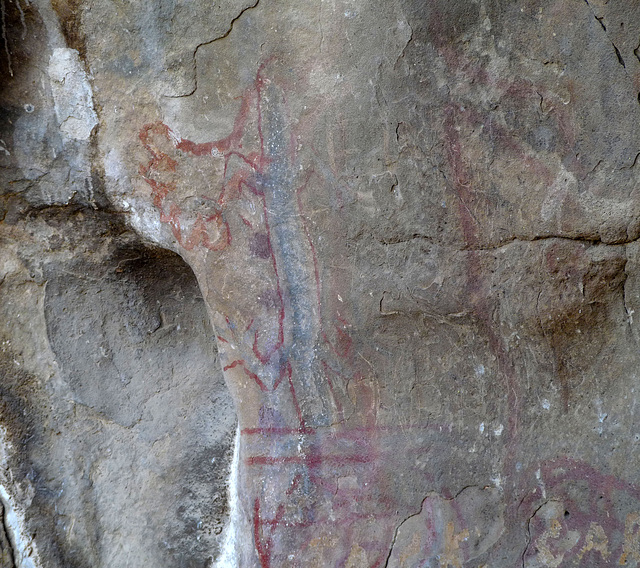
(414, 227)
(106, 347)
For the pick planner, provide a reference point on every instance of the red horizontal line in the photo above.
(310, 460)
(289, 524)
(278, 431)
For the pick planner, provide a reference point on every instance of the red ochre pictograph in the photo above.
(197, 231)
(214, 231)
(312, 500)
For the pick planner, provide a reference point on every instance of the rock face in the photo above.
(342, 283)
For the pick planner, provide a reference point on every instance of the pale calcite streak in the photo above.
(72, 95)
(228, 555)
(24, 546)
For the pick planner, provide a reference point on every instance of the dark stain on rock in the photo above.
(69, 13)
(582, 285)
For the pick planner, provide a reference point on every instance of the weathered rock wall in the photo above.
(405, 233)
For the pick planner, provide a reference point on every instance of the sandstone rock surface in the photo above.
(340, 283)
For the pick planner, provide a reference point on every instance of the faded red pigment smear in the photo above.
(476, 284)
(560, 475)
(467, 200)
